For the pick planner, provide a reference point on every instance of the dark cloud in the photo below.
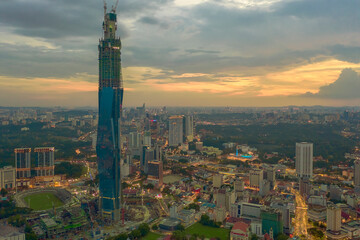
(149, 20)
(346, 53)
(64, 18)
(153, 21)
(347, 86)
(200, 51)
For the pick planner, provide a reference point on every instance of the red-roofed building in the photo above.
(240, 231)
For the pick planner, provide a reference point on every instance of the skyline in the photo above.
(184, 53)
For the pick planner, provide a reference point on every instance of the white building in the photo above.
(7, 177)
(189, 127)
(175, 130)
(304, 159)
(333, 218)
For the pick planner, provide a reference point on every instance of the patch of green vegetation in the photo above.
(152, 236)
(327, 139)
(43, 201)
(71, 170)
(208, 232)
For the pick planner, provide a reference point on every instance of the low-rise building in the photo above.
(240, 231)
(7, 177)
(10, 233)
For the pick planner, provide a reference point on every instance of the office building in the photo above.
(238, 185)
(175, 130)
(333, 218)
(245, 210)
(147, 139)
(286, 220)
(272, 220)
(155, 172)
(7, 177)
(189, 127)
(147, 155)
(134, 140)
(357, 172)
(217, 180)
(44, 161)
(304, 159)
(110, 95)
(269, 175)
(256, 177)
(154, 128)
(23, 162)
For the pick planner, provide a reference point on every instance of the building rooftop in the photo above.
(240, 226)
(8, 231)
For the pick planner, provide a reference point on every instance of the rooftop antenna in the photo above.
(113, 10)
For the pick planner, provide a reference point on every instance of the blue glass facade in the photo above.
(110, 105)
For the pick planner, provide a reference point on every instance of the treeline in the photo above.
(12, 137)
(281, 138)
(71, 170)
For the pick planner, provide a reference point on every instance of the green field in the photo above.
(208, 232)
(43, 201)
(151, 236)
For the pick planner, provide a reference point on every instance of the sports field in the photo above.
(208, 232)
(152, 236)
(43, 201)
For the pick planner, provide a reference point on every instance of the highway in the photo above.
(301, 218)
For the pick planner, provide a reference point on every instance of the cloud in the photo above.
(347, 86)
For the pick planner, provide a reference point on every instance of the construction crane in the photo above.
(113, 10)
(105, 7)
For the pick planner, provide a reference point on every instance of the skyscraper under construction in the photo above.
(110, 104)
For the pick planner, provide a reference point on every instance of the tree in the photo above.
(125, 185)
(155, 227)
(149, 186)
(254, 237)
(135, 234)
(282, 236)
(122, 236)
(3, 192)
(181, 227)
(144, 229)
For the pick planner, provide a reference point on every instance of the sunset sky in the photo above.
(184, 52)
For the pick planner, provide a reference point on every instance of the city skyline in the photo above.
(184, 53)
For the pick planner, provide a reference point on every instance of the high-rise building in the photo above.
(357, 172)
(217, 180)
(44, 161)
(147, 138)
(110, 107)
(256, 177)
(23, 162)
(175, 130)
(134, 141)
(155, 171)
(304, 159)
(189, 127)
(333, 218)
(238, 185)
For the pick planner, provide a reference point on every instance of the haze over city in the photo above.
(184, 53)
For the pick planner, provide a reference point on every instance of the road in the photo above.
(301, 218)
